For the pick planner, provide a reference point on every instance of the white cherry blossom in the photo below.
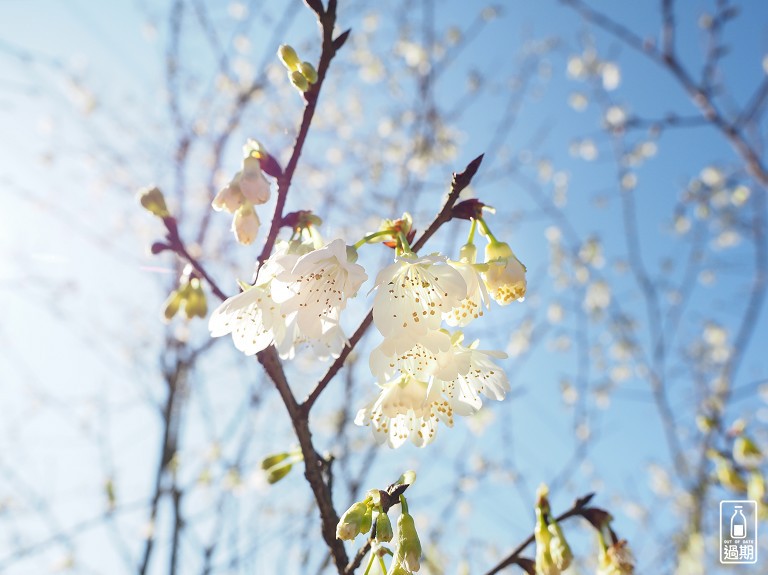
(406, 408)
(471, 307)
(253, 185)
(253, 317)
(481, 376)
(430, 355)
(505, 276)
(315, 290)
(413, 294)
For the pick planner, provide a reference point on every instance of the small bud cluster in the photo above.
(372, 512)
(189, 297)
(553, 554)
(301, 74)
(247, 189)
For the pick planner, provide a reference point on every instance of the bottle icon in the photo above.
(738, 524)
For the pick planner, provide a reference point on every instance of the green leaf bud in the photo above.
(276, 473)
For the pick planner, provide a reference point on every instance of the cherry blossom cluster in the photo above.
(248, 188)
(297, 298)
(426, 373)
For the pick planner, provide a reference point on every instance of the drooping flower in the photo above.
(408, 551)
(253, 185)
(480, 376)
(245, 224)
(230, 197)
(617, 559)
(248, 188)
(413, 294)
(505, 276)
(355, 520)
(406, 408)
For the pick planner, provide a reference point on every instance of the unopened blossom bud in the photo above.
(544, 562)
(505, 276)
(172, 304)
(746, 453)
(195, 303)
(353, 521)
(407, 478)
(728, 476)
(299, 81)
(408, 545)
(152, 200)
(559, 550)
(384, 531)
(616, 560)
(253, 184)
(288, 57)
(245, 224)
(308, 71)
(229, 198)
(253, 148)
(756, 486)
(468, 253)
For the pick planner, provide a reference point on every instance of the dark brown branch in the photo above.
(313, 463)
(327, 20)
(176, 244)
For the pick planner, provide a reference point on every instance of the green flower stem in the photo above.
(372, 236)
(472, 228)
(370, 563)
(382, 565)
(403, 504)
(487, 230)
(403, 243)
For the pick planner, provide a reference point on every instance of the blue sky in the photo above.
(73, 244)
